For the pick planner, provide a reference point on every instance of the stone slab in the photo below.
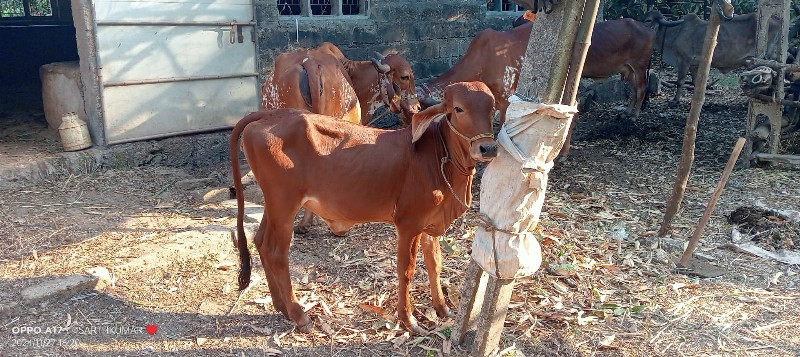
(56, 288)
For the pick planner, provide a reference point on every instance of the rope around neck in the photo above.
(443, 161)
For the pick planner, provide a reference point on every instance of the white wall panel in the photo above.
(173, 10)
(164, 109)
(147, 52)
(159, 66)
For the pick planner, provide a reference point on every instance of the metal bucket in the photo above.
(74, 133)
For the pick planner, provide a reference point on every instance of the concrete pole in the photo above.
(485, 298)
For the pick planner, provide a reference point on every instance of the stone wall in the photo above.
(432, 35)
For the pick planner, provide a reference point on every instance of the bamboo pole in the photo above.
(690, 132)
(701, 225)
(580, 48)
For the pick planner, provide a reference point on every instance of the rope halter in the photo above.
(470, 140)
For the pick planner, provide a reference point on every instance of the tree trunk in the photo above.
(690, 132)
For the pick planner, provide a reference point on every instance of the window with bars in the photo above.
(323, 7)
(502, 5)
(22, 9)
(290, 7)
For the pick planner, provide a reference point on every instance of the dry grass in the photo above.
(596, 294)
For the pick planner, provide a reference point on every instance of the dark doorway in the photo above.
(32, 33)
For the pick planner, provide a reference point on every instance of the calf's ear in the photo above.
(421, 120)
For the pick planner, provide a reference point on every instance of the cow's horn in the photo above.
(666, 23)
(379, 56)
(383, 67)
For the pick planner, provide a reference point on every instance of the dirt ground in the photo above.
(607, 287)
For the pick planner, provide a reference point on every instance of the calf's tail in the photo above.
(647, 84)
(241, 240)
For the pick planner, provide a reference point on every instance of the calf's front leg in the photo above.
(432, 253)
(407, 249)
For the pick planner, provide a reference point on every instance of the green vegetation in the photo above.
(614, 9)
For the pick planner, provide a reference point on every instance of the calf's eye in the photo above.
(458, 109)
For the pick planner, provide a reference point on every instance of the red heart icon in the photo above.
(151, 329)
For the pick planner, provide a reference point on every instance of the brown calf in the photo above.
(418, 178)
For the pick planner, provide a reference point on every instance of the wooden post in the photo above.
(690, 132)
(760, 106)
(546, 69)
(701, 225)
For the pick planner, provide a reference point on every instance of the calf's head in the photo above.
(401, 92)
(468, 108)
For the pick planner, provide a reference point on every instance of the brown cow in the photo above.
(324, 81)
(618, 46)
(494, 58)
(418, 178)
(312, 79)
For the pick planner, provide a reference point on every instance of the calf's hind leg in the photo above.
(277, 299)
(305, 223)
(274, 253)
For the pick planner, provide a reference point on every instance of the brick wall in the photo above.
(432, 35)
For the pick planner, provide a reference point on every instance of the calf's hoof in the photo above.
(415, 329)
(300, 229)
(412, 326)
(339, 233)
(445, 312)
(305, 325)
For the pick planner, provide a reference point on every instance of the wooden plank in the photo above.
(148, 52)
(164, 109)
(783, 159)
(184, 11)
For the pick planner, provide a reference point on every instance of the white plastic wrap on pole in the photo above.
(513, 186)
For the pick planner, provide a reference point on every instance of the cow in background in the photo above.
(323, 81)
(681, 43)
(493, 57)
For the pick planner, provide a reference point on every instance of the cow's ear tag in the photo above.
(529, 15)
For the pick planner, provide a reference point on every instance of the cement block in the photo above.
(56, 288)
(363, 35)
